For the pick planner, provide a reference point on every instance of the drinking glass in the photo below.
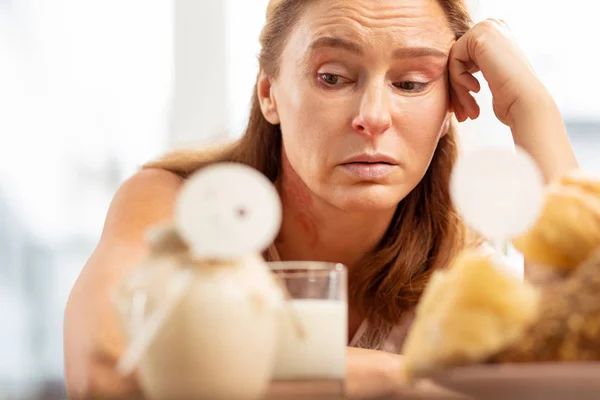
(313, 329)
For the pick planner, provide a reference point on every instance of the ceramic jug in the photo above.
(200, 312)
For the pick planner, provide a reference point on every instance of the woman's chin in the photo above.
(366, 197)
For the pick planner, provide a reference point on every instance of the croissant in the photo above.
(567, 237)
(586, 181)
(568, 325)
(568, 228)
(468, 313)
(473, 313)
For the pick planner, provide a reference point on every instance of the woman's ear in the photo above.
(266, 98)
(447, 122)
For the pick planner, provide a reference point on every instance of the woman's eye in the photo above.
(330, 79)
(411, 86)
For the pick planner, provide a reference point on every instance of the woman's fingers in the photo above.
(464, 105)
(459, 110)
(467, 81)
(461, 69)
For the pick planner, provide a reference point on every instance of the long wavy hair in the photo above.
(425, 233)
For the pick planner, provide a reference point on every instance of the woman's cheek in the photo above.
(421, 133)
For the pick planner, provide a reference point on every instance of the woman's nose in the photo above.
(374, 117)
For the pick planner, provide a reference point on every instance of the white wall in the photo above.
(560, 39)
(200, 109)
(84, 96)
(245, 20)
(216, 63)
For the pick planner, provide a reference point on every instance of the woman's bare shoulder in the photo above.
(93, 336)
(145, 199)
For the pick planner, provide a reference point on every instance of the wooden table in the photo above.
(55, 390)
(423, 390)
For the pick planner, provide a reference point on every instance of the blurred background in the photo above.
(90, 90)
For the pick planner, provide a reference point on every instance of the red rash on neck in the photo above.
(299, 199)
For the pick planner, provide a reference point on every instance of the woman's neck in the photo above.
(315, 230)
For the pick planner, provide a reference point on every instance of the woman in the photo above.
(352, 119)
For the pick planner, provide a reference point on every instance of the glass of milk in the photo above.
(313, 330)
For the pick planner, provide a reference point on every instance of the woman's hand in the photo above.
(520, 100)
(488, 47)
(374, 374)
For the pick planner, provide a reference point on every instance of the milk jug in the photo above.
(200, 312)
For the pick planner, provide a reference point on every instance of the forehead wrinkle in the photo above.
(407, 26)
(378, 14)
(398, 25)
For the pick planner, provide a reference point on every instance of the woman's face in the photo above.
(362, 98)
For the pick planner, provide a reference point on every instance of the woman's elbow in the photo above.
(94, 379)
(76, 350)
(90, 358)
(92, 375)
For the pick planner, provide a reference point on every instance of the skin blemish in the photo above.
(298, 194)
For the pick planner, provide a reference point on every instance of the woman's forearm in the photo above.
(538, 128)
(372, 373)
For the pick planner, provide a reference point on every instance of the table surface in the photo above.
(423, 390)
(568, 377)
(55, 390)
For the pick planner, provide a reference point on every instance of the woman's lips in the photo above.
(367, 170)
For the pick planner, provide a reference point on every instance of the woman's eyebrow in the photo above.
(416, 52)
(330, 42)
(335, 42)
(353, 47)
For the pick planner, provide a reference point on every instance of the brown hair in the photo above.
(425, 233)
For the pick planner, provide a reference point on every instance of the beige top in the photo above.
(392, 343)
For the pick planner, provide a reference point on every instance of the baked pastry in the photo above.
(473, 313)
(584, 180)
(568, 325)
(468, 313)
(568, 228)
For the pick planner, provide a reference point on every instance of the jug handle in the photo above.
(148, 329)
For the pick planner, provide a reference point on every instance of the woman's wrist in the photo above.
(373, 373)
(537, 127)
(534, 102)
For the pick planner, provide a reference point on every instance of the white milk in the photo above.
(321, 354)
